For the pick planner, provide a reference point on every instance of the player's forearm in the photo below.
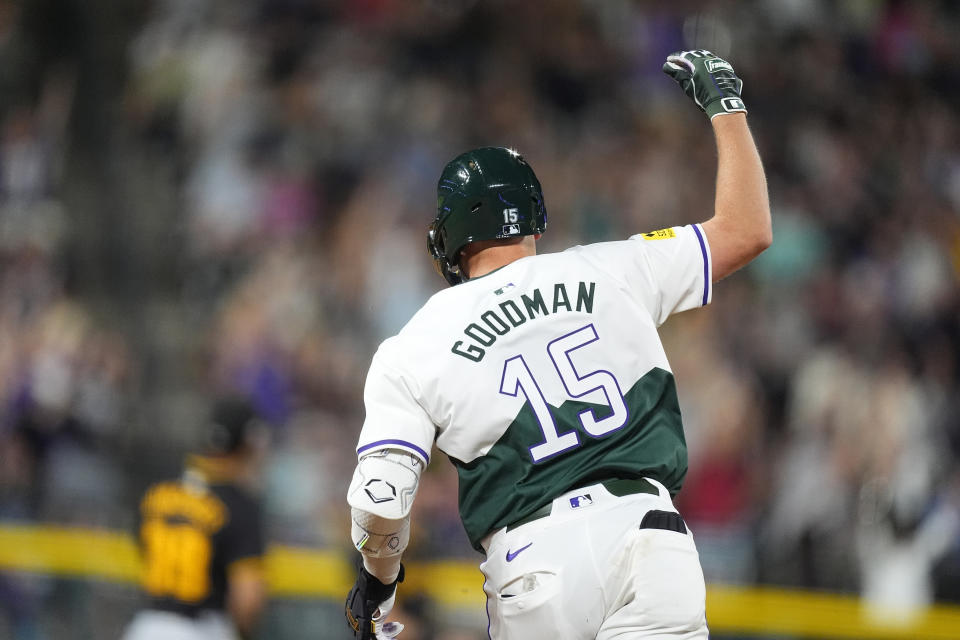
(741, 222)
(247, 598)
(381, 494)
(385, 570)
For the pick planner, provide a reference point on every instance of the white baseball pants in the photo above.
(162, 625)
(588, 571)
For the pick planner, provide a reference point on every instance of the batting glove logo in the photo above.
(733, 104)
(716, 64)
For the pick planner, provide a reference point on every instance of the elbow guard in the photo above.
(381, 494)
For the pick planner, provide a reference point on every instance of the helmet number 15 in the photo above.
(517, 379)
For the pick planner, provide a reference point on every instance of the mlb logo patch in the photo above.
(581, 501)
(510, 230)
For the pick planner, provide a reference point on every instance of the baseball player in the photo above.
(201, 539)
(543, 379)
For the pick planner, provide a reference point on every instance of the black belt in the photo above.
(616, 486)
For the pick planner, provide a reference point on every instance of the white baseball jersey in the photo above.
(543, 375)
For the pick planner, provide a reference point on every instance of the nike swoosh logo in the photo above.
(511, 556)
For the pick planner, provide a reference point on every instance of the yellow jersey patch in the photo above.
(659, 234)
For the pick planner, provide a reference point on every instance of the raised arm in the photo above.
(740, 228)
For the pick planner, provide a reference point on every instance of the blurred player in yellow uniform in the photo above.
(201, 539)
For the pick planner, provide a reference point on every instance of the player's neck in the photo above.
(217, 468)
(479, 261)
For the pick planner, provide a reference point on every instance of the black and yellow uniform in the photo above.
(201, 536)
(192, 532)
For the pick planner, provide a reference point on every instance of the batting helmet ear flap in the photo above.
(435, 246)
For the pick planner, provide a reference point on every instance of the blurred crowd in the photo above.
(275, 165)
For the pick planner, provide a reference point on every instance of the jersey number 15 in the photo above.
(517, 379)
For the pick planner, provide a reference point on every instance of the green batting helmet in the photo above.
(484, 194)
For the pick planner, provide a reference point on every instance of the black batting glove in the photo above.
(709, 81)
(365, 599)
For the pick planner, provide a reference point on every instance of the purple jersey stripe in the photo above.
(487, 608)
(706, 267)
(402, 443)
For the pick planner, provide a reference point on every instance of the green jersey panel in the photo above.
(505, 485)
